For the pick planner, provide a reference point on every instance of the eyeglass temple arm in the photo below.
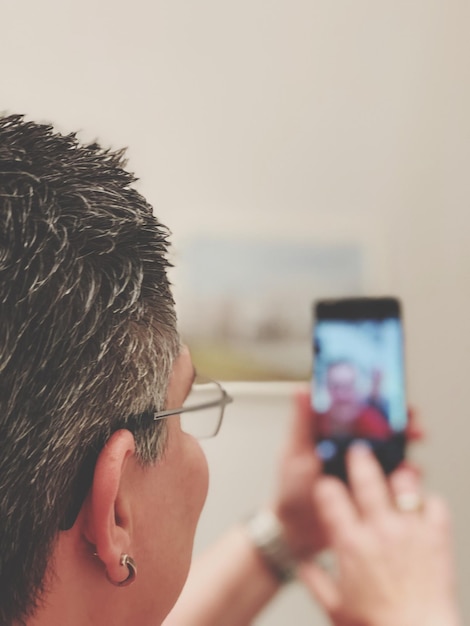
(223, 401)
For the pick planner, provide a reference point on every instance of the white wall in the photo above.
(256, 112)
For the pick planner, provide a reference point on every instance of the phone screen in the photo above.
(359, 380)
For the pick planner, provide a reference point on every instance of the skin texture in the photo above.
(240, 591)
(299, 468)
(150, 513)
(391, 567)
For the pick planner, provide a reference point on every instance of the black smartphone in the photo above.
(359, 380)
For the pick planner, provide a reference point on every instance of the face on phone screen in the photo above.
(359, 390)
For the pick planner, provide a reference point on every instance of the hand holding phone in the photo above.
(359, 382)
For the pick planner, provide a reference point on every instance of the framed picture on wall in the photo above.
(244, 302)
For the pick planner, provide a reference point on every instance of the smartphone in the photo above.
(359, 380)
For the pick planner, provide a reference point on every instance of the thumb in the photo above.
(302, 430)
(321, 585)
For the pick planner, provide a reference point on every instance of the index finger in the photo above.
(367, 482)
(334, 507)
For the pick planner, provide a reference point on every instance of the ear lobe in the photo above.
(108, 518)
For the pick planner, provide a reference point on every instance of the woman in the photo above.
(101, 488)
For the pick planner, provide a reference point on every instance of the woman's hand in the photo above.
(393, 567)
(298, 471)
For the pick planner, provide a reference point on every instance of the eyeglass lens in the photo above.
(204, 422)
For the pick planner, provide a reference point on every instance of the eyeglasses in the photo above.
(209, 399)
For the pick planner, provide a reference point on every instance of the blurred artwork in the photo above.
(245, 306)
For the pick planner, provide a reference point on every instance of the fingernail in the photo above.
(360, 448)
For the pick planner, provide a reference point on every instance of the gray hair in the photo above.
(87, 336)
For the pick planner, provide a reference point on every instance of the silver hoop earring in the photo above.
(129, 562)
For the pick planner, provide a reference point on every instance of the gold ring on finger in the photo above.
(409, 502)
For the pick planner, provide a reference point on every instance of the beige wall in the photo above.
(297, 112)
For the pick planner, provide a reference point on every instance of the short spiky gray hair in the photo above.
(87, 334)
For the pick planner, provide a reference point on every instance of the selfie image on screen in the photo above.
(359, 380)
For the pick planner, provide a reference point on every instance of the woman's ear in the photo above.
(107, 523)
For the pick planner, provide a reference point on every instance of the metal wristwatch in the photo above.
(267, 535)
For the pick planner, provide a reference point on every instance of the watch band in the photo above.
(267, 535)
